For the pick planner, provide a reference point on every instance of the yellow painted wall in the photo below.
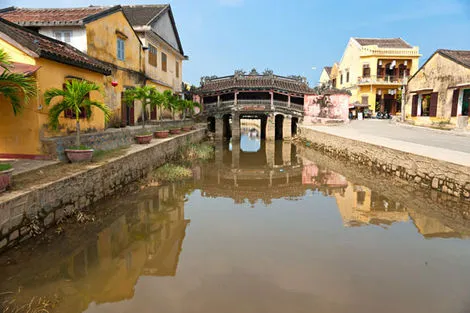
(438, 74)
(102, 36)
(21, 134)
(353, 60)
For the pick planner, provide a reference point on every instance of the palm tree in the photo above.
(74, 97)
(170, 101)
(15, 85)
(145, 94)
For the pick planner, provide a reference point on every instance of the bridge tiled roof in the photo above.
(250, 82)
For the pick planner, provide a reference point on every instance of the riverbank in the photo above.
(40, 205)
(427, 164)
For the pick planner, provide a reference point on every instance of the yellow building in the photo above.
(325, 76)
(100, 32)
(439, 93)
(164, 55)
(52, 63)
(375, 70)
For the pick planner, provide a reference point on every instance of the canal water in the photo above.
(264, 227)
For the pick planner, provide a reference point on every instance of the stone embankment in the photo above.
(447, 177)
(39, 207)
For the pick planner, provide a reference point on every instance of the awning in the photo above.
(460, 86)
(422, 90)
(358, 105)
(21, 68)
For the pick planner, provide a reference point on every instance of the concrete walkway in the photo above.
(24, 165)
(430, 143)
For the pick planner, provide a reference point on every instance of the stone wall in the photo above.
(429, 173)
(43, 205)
(109, 139)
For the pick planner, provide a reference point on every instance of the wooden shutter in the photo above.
(414, 105)
(455, 102)
(153, 114)
(433, 104)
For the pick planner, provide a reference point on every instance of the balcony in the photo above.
(376, 51)
(389, 80)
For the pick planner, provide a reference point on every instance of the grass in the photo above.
(82, 147)
(100, 155)
(172, 172)
(5, 167)
(202, 151)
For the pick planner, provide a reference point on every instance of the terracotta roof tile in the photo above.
(460, 56)
(50, 48)
(255, 82)
(384, 42)
(21, 68)
(328, 69)
(140, 15)
(50, 16)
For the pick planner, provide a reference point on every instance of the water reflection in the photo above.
(319, 236)
(145, 241)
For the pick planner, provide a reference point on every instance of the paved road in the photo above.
(439, 145)
(419, 135)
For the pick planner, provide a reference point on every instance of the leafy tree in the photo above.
(74, 97)
(13, 86)
(145, 94)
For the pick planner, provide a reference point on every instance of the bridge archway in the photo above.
(294, 122)
(226, 126)
(278, 127)
(211, 124)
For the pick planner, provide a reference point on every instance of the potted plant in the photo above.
(6, 171)
(175, 131)
(75, 97)
(161, 133)
(148, 96)
(186, 128)
(143, 138)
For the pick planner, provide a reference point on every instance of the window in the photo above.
(164, 64)
(341, 79)
(152, 55)
(465, 102)
(425, 104)
(365, 70)
(347, 76)
(64, 36)
(120, 49)
(177, 67)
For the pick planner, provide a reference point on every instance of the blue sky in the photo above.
(291, 37)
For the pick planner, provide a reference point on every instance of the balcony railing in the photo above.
(226, 104)
(297, 107)
(367, 51)
(387, 79)
(252, 103)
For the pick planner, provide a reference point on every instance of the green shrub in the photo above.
(5, 167)
(171, 172)
(198, 151)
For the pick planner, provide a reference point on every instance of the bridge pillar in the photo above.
(219, 153)
(235, 153)
(235, 127)
(270, 152)
(287, 128)
(270, 128)
(286, 153)
(219, 128)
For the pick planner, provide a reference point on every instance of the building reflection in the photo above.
(146, 241)
(275, 171)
